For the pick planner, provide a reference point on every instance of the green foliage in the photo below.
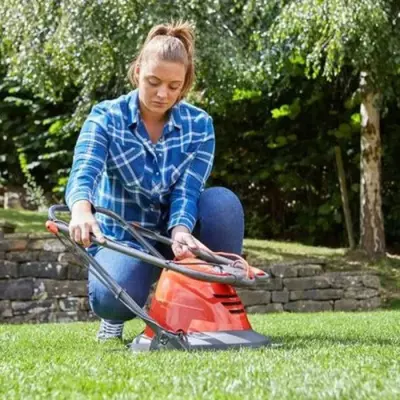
(323, 37)
(276, 129)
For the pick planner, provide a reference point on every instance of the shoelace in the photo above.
(110, 331)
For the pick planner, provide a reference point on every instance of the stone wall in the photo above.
(307, 288)
(40, 282)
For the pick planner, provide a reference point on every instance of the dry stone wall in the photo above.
(307, 288)
(41, 282)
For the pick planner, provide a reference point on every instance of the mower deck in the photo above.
(219, 340)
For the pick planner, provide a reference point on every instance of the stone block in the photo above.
(54, 245)
(16, 236)
(309, 270)
(360, 293)
(16, 289)
(2, 255)
(254, 297)
(16, 245)
(22, 256)
(7, 226)
(345, 305)
(39, 317)
(346, 281)
(316, 282)
(308, 306)
(91, 316)
(77, 273)
(283, 271)
(371, 281)
(297, 295)
(274, 308)
(369, 304)
(323, 294)
(33, 307)
(74, 304)
(281, 296)
(49, 288)
(36, 244)
(48, 256)
(259, 309)
(271, 284)
(43, 270)
(8, 269)
(5, 309)
(71, 316)
(40, 235)
(68, 258)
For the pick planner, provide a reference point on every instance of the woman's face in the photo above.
(160, 84)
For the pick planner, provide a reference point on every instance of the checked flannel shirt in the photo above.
(117, 167)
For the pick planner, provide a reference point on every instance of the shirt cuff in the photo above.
(184, 219)
(79, 195)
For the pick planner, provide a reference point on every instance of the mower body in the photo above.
(208, 315)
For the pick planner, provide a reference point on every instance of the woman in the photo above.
(146, 156)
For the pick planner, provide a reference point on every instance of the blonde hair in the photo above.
(170, 42)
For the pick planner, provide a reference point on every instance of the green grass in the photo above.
(323, 356)
(26, 221)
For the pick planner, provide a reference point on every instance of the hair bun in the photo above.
(181, 30)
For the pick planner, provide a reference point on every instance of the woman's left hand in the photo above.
(183, 242)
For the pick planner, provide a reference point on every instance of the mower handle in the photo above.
(202, 254)
(156, 258)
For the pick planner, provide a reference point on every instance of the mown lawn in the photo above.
(322, 356)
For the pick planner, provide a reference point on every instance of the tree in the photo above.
(72, 54)
(326, 37)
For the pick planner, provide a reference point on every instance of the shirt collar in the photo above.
(174, 119)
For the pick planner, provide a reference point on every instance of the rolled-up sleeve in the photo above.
(186, 192)
(90, 157)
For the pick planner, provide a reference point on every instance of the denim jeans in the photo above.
(220, 226)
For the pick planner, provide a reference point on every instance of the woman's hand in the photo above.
(83, 223)
(184, 242)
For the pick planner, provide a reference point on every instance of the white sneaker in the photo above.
(110, 330)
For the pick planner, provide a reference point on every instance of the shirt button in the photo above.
(157, 173)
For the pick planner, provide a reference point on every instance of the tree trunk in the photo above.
(372, 233)
(345, 197)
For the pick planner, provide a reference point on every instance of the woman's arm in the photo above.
(89, 161)
(186, 191)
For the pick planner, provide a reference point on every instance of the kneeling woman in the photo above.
(146, 156)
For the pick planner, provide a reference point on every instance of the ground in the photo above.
(315, 356)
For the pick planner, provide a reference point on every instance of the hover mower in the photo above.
(194, 307)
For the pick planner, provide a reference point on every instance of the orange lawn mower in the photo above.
(194, 306)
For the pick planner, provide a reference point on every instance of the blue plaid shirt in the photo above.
(116, 166)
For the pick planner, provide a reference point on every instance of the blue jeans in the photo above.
(220, 226)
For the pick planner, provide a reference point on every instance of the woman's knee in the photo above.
(219, 202)
(220, 220)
